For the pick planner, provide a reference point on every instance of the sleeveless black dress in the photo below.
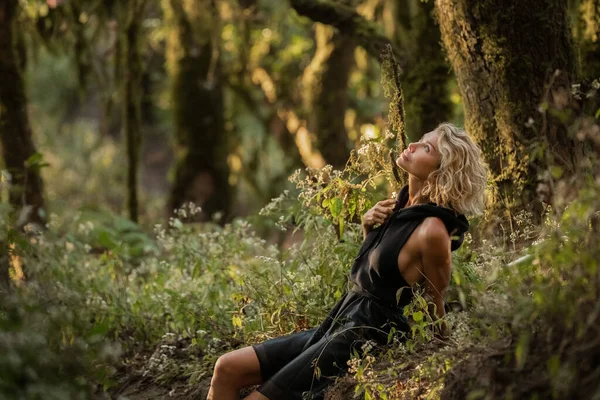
(366, 312)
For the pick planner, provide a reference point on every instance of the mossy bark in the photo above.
(588, 43)
(201, 171)
(505, 56)
(132, 82)
(80, 47)
(325, 94)
(426, 73)
(26, 191)
(332, 102)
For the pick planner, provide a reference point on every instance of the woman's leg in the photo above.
(234, 371)
(252, 365)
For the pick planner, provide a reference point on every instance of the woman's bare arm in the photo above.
(437, 266)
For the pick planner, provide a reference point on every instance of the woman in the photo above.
(412, 246)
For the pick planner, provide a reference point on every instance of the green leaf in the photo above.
(124, 224)
(418, 316)
(105, 240)
(556, 171)
(98, 331)
(456, 278)
(236, 321)
(34, 159)
(463, 299)
(352, 203)
(538, 298)
(522, 350)
(335, 207)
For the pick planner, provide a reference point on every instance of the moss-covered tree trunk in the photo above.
(504, 55)
(332, 102)
(326, 95)
(201, 171)
(588, 41)
(426, 73)
(26, 192)
(132, 81)
(4, 267)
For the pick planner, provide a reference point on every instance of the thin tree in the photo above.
(326, 96)
(588, 36)
(132, 84)
(201, 170)
(585, 15)
(18, 150)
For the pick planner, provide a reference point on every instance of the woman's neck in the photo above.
(415, 185)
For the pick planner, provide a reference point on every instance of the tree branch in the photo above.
(348, 22)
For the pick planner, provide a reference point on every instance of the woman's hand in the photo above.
(377, 214)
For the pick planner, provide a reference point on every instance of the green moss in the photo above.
(426, 76)
(201, 170)
(503, 56)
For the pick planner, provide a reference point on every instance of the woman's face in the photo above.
(421, 158)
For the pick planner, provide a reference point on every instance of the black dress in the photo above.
(302, 365)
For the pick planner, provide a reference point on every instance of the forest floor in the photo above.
(400, 375)
(146, 389)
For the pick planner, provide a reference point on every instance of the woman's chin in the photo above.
(400, 164)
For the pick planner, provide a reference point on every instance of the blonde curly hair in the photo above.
(461, 180)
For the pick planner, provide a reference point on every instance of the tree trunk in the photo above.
(426, 73)
(132, 81)
(26, 192)
(201, 172)
(505, 55)
(588, 40)
(4, 267)
(326, 94)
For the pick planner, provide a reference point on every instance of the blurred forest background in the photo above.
(180, 176)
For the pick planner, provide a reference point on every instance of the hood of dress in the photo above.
(452, 219)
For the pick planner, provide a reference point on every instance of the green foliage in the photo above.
(344, 196)
(101, 292)
(105, 284)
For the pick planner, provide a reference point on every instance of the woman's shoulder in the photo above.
(433, 231)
